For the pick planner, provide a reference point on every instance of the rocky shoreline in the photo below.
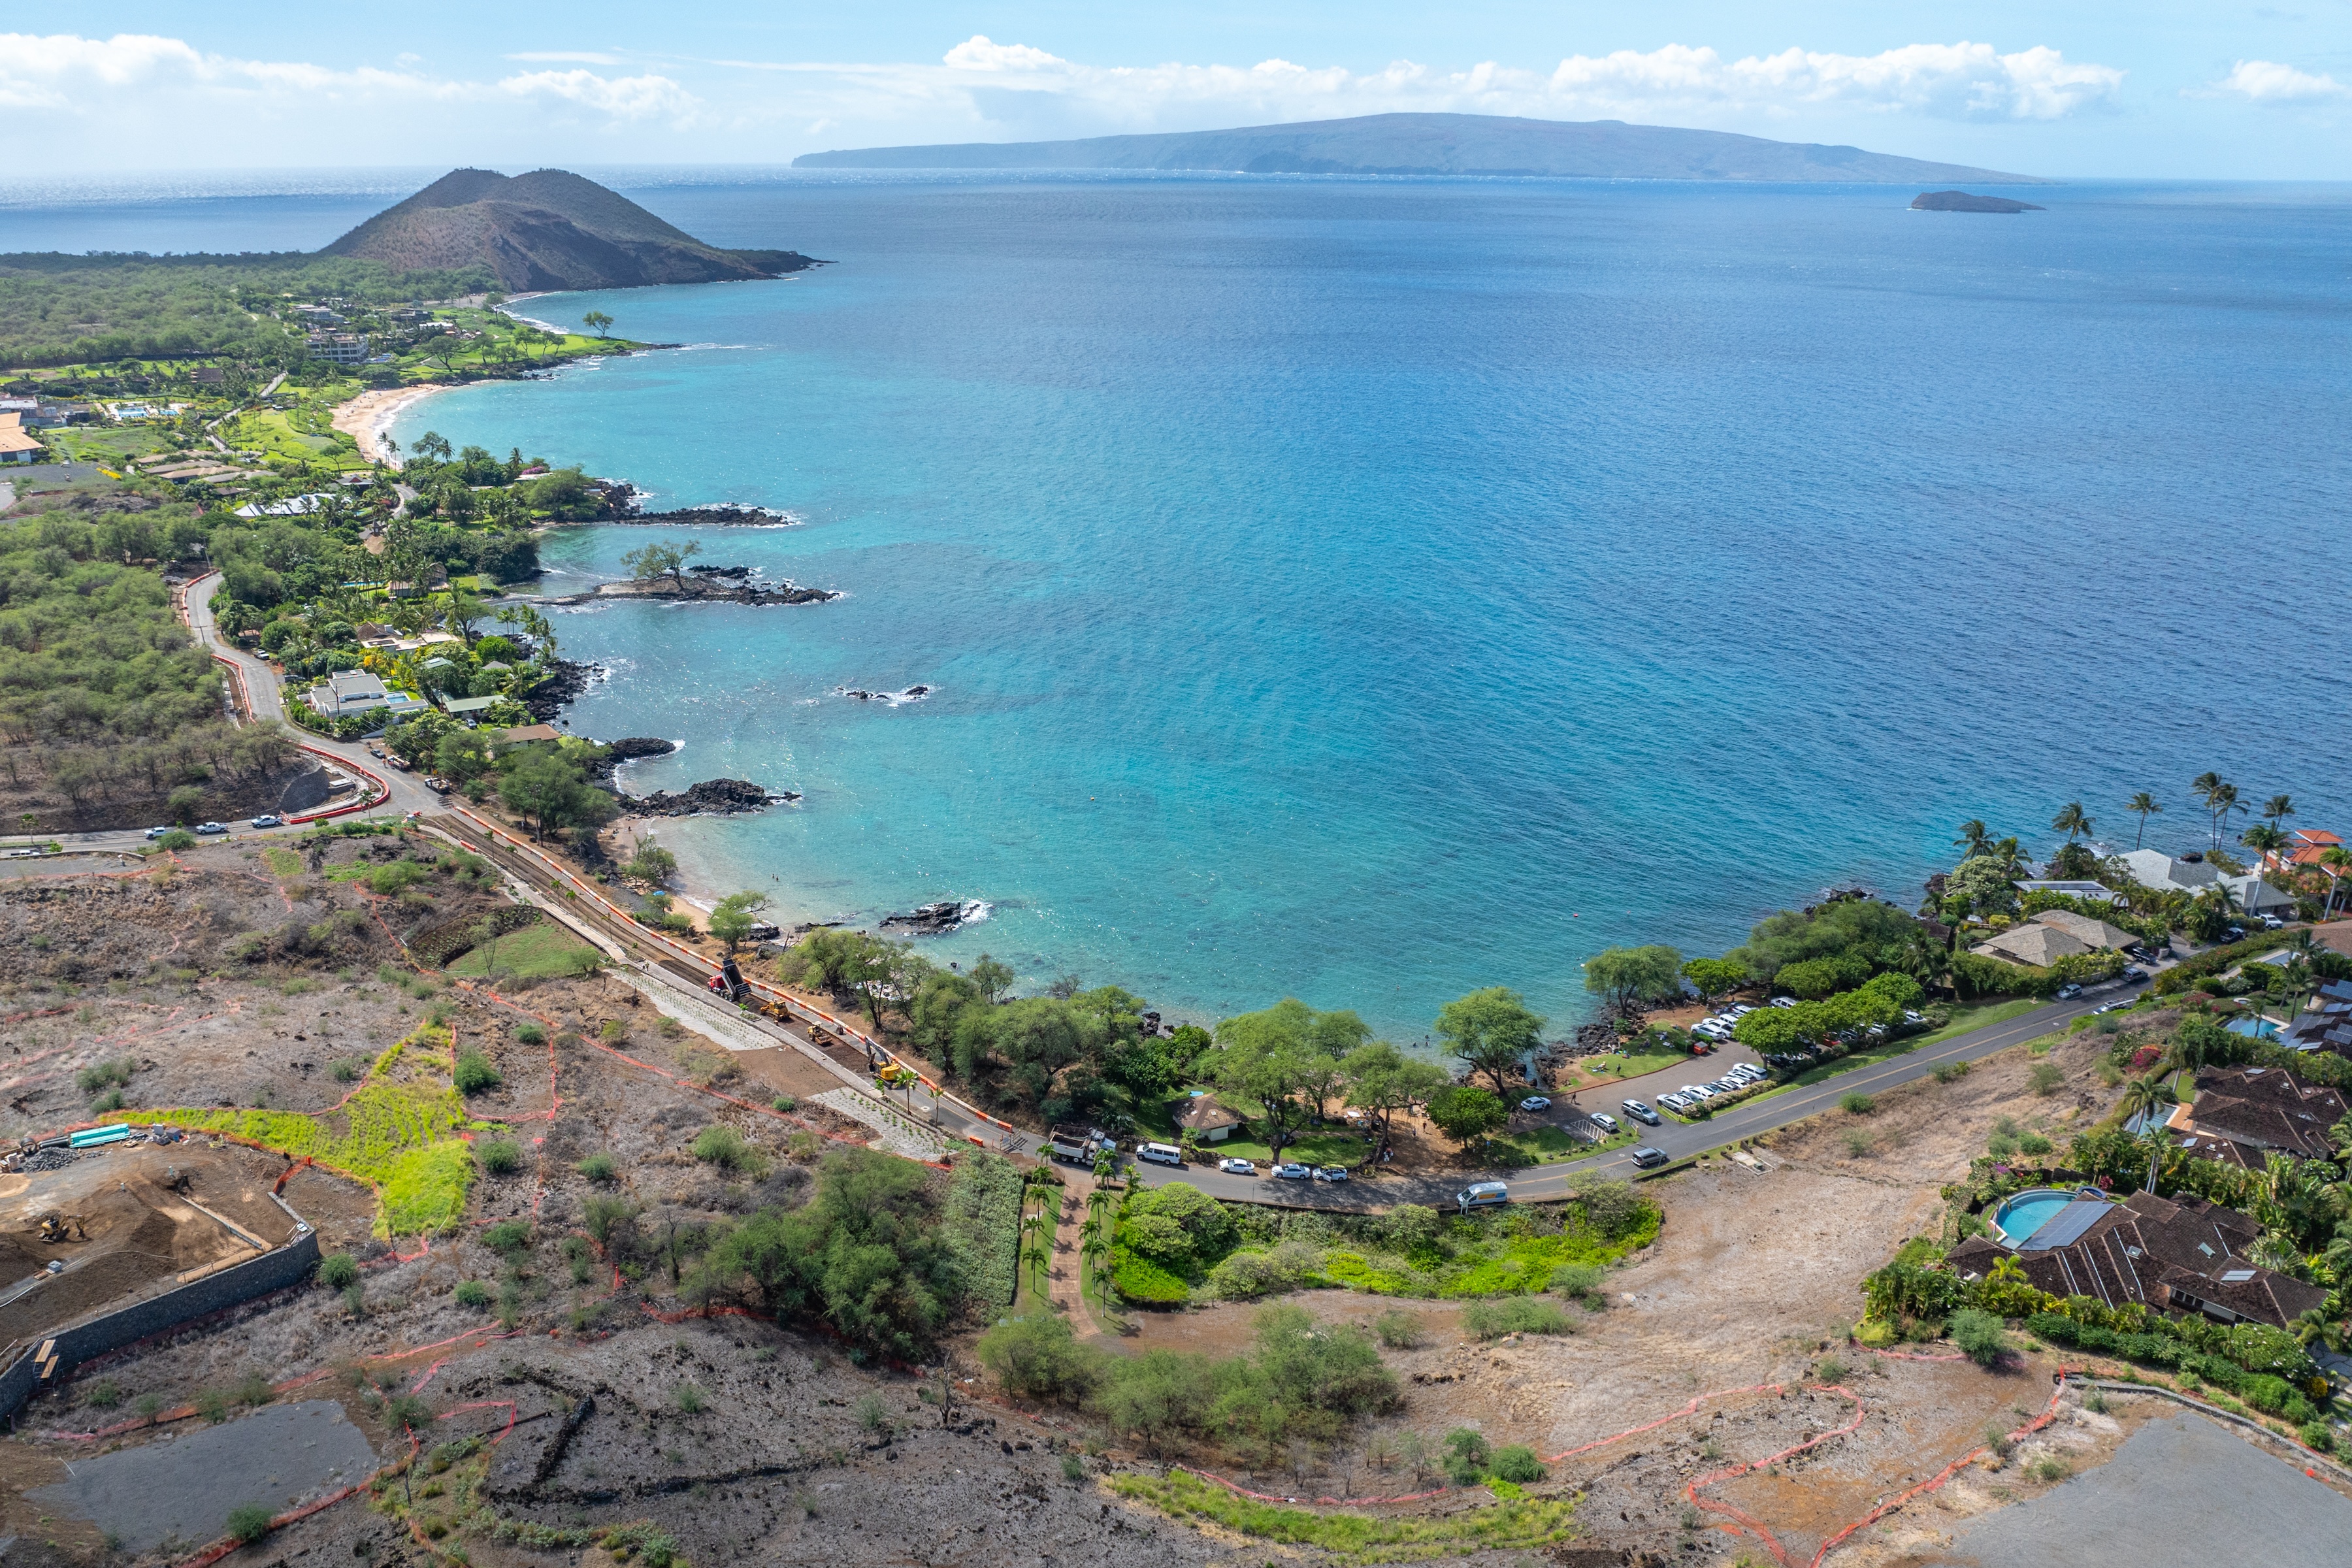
(702, 588)
(711, 798)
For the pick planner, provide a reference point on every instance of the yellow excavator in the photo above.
(57, 1227)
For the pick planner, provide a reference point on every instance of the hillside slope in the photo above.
(1441, 144)
(547, 229)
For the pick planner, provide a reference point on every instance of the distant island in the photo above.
(1967, 202)
(1471, 144)
(545, 230)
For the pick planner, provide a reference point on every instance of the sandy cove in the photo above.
(366, 417)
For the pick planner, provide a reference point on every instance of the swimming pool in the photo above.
(2018, 1217)
(2261, 1028)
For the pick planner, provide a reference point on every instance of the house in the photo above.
(2034, 943)
(2325, 1025)
(2305, 846)
(1208, 1119)
(2090, 933)
(522, 733)
(342, 348)
(462, 707)
(2098, 892)
(356, 691)
(2241, 1113)
(17, 444)
(2175, 1255)
(2154, 868)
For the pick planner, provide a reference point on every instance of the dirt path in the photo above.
(1067, 1278)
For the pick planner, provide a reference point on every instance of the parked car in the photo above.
(1911, 1017)
(1640, 1112)
(1676, 1101)
(2272, 922)
(1160, 1154)
(1331, 1172)
(1737, 1013)
(1604, 1121)
(1237, 1167)
(268, 821)
(211, 829)
(2134, 972)
(1711, 1029)
(2237, 931)
(1293, 1172)
(1783, 1002)
(1484, 1194)
(2109, 1007)
(157, 831)
(1698, 1091)
(1535, 1102)
(1646, 1156)
(2068, 991)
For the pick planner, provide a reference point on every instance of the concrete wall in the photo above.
(94, 1337)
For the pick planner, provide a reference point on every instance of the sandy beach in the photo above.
(366, 417)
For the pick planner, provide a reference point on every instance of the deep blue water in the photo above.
(1370, 590)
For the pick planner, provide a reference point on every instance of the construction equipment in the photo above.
(56, 1227)
(729, 982)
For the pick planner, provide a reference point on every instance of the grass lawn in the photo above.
(534, 953)
(1033, 1284)
(1550, 1146)
(1318, 1148)
(1624, 1066)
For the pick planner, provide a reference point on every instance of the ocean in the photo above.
(1368, 590)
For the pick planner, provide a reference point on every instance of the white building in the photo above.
(356, 691)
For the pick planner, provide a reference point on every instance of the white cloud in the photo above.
(624, 97)
(567, 56)
(2267, 81)
(1960, 81)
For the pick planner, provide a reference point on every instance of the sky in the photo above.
(2137, 88)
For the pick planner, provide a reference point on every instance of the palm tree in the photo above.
(2317, 1328)
(2142, 1096)
(2263, 840)
(2143, 806)
(2334, 862)
(1975, 837)
(2278, 808)
(2071, 822)
(2225, 800)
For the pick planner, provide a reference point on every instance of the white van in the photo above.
(1160, 1154)
(1484, 1194)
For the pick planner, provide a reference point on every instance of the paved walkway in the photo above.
(2181, 1492)
(1067, 1276)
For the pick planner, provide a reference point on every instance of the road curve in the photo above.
(1679, 1140)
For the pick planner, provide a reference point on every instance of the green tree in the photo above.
(2277, 809)
(1982, 884)
(1491, 1031)
(661, 559)
(1383, 1080)
(1712, 978)
(2143, 806)
(1626, 974)
(730, 917)
(2072, 821)
(1465, 1111)
(598, 322)
(1975, 838)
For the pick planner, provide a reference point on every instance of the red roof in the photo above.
(2318, 837)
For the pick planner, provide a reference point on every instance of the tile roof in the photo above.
(1207, 1111)
(2170, 1253)
(2034, 943)
(2265, 1108)
(2085, 929)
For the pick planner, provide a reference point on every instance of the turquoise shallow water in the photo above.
(1368, 591)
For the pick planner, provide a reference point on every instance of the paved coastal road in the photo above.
(1679, 1141)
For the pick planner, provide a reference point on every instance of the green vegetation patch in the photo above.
(983, 1223)
(1521, 1525)
(282, 862)
(399, 1138)
(535, 952)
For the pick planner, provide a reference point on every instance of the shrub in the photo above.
(248, 1523)
(347, 1071)
(1517, 1464)
(474, 1073)
(1578, 1280)
(1518, 1315)
(1980, 1335)
(1829, 1369)
(690, 1401)
(1398, 1329)
(1948, 1072)
(872, 1415)
(531, 1035)
(501, 1156)
(598, 1168)
(111, 1100)
(1466, 1457)
(1857, 1105)
(786, 1103)
(724, 1147)
(1037, 1357)
(339, 1271)
(508, 1235)
(1145, 1283)
(1073, 1468)
(1860, 1141)
(103, 1394)
(2049, 1469)
(178, 838)
(2047, 1077)
(472, 1293)
(2318, 1434)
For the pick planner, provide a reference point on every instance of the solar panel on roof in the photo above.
(2237, 1276)
(2067, 1225)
